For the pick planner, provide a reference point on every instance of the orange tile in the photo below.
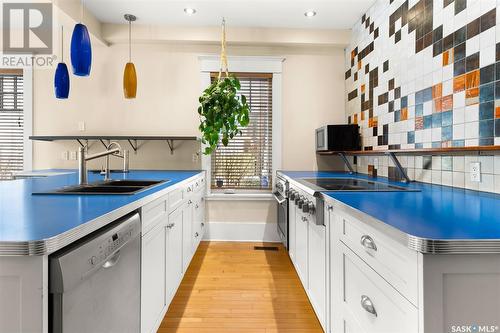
(472, 79)
(446, 58)
(497, 112)
(471, 93)
(373, 122)
(362, 115)
(355, 119)
(437, 91)
(352, 54)
(459, 83)
(448, 103)
(363, 88)
(359, 64)
(438, 105)
(404, 114)
(419, 123)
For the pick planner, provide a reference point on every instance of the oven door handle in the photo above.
(280, 201)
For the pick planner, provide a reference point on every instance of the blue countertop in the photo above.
(435, 212)
(26, 217)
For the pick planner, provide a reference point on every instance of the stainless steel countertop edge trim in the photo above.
(52, 244)
(419, 244)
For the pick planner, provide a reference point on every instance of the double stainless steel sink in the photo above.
(108, 187)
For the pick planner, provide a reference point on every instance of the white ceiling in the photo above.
(331, 14)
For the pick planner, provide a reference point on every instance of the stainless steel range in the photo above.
(281, 196)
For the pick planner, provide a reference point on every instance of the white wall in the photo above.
(168, 90)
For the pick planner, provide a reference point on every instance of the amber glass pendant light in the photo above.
(129, 74)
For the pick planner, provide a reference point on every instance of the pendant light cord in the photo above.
(129, 41)
(223, 57)
(62, 43)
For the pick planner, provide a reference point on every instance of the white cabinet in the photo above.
(174, 266)
(317, 274)
(153, 297)
(198, 216)
(291, 230)
(301, 246)
(187, 233)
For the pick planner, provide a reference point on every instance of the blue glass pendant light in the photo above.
(81, 50)
(61, 78)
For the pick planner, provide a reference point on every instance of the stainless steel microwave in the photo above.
(338, 138)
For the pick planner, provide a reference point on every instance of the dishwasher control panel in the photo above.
(110, 244)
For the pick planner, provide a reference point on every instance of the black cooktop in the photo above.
(351, 184)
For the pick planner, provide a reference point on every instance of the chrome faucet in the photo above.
(83, 158)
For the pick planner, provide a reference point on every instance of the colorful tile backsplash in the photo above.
(425, 74)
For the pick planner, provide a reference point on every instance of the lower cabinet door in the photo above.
(174, 266)
(317, 270)
(369, 303)
(301, 238)
(198, 218)
(291, 230)
(153, 298)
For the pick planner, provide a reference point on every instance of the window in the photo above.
(246, 163)
(11, 122)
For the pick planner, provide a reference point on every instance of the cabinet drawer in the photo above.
(175, 199)
(392, 260)
(199, 185)
(370, 303)
(153, 213)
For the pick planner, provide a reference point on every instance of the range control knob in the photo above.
(291, 194)
(308, 207)
(297, 198)
(93, 260)
(301, 202)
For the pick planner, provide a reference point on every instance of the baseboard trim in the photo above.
(241, 232)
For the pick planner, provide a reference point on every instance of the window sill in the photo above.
(239, 197)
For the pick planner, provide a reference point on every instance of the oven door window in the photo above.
(283, 221)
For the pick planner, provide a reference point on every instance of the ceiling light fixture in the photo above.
(129, 74)
(189, 11)
(310, 13)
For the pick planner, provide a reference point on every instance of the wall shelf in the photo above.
(393, 152)
(422, 151)
(83, 140)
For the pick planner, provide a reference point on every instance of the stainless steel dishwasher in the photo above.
(94, 284)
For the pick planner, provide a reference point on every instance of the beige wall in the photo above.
(168, 89)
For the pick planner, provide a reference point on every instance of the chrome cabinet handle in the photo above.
(196, 234)
(330, 208)
(112, 261)
(170, 225)
(368, 242)
(189, 202)
(189, 189)
(196, 206)
(202, 224)
(367, 304)
(304, 219)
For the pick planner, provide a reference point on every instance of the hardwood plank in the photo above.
(230, 287)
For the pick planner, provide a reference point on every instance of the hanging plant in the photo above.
(223, 112)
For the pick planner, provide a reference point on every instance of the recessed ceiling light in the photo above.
(310, 13)
(189, 11)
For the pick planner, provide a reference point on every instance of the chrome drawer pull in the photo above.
(368, 242)
(170, 225)
(367, 304)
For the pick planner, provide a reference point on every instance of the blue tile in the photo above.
(447, 118)
(497, 128)
(436, 120)
(446, 133)
(486, 142)
(436, 144)
(428, 121)
(419, 95)
(419, 145)
(458, 143)
(419, 110)
(404, 102)
(411, 137)
(486, 93)
(486, 110)
(397, 115)
(486, 129)
(427, 94)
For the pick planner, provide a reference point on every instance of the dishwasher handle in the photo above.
(112, 261)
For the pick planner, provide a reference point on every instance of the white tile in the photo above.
(470, 185)
(436, 162)
(447, 87)
(427, 108)
(436, 177)
(459, 100)
(497, 164)
(472, 46)
(471, 159)
(411, 161)
(487, 5)
(447, 178)
(497, 183)
(459, 115)
(436, 134)
(472, 130)
(487, 38)
(471, 113)
(458, 179)
(459, 132)
(459, 163)
(487, 164)
(471, 142)
(487, 183)
(487, 55)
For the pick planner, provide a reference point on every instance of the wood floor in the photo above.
(230, 287)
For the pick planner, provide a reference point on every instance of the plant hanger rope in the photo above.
(223, 56)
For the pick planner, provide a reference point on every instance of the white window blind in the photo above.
(11, 122)
(246, 163)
